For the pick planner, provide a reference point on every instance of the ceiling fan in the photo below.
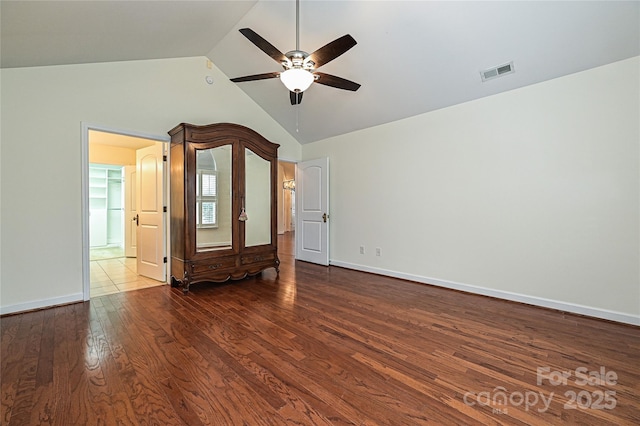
(299, 66)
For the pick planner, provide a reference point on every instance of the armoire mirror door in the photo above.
(213, 198)
(257, 201)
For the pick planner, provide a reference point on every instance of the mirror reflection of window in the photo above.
(213, 198)
(206, 190)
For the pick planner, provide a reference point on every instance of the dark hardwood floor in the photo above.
(315, 346)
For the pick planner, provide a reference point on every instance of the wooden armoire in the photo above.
(223, 203)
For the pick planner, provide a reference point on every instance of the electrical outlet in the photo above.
(361, 249)
(377, 251)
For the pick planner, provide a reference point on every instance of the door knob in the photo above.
(135, 219)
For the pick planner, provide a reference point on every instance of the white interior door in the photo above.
(150, 217)
(130, 211)
(312, 211)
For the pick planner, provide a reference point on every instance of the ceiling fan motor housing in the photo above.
(298, 59)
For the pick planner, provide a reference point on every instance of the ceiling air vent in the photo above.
(498, 71)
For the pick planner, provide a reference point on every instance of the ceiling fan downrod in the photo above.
(298, 59)
(298, 70)
(297, 24)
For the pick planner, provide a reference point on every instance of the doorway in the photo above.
(110, 261)
(106, 211)
(286, 204)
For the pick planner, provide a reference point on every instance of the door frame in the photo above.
(86, 283)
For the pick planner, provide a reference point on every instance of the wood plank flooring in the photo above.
(314, 346)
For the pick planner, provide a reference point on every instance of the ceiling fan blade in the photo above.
(256, 77)
(295, 97)
(332, 50)
(264, 45)
(337, 82)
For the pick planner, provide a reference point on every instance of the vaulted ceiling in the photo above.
(411, 57)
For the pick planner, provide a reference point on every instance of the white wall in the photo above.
(42, 112)
(530, 195)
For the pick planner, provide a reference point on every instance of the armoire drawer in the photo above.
(248, 259)
(203, 267)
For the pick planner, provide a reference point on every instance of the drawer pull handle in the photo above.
(215, 266)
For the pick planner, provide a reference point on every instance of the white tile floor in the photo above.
(117, 275)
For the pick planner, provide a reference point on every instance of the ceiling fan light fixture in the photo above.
(296, 79)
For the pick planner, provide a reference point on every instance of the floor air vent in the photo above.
(496, 72)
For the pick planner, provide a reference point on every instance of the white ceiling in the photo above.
(412, 56)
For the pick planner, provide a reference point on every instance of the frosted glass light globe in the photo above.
(296, 79)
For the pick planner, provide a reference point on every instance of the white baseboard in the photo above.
(500, 294)
(41, 304)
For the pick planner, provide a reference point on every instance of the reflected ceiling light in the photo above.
(289, 184)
